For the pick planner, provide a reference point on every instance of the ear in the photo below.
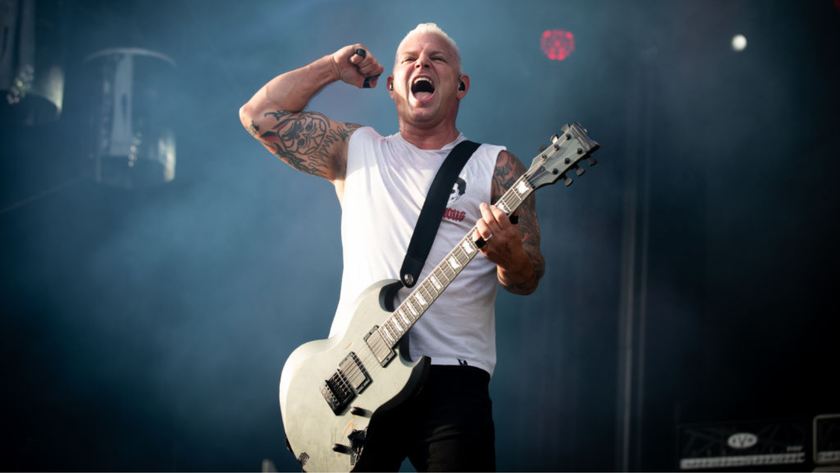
(390, 86)
(462, 91)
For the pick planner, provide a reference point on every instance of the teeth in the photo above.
(421, 79)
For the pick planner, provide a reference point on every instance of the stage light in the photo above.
(32, 57)
(739, 42)
(557, 45)
(132, 134)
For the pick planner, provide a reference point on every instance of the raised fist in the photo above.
(357, 66)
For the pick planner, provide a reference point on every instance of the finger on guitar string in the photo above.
(482, 230)
(499, 217)
(487, 225)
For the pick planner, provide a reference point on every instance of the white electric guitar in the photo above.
(330, 389)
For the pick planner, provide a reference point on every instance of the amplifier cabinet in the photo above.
(827, 439)
(752, 445)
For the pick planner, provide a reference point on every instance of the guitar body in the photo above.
(312, 425)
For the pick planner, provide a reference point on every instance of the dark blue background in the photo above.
(145, 329)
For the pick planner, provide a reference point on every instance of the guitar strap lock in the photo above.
(432, 213)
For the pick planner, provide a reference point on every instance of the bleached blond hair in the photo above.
(432, 28)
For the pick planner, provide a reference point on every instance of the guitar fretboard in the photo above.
(416, 304)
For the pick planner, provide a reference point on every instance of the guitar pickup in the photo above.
(355, 373)
(379, 346)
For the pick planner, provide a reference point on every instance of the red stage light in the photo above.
(558, 44)
(837, 4)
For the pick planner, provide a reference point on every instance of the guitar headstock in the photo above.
(561, 156)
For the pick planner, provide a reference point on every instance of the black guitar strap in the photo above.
(432, 212)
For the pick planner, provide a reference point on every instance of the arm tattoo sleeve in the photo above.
(508, 170)
(305, 140)
(506, 174)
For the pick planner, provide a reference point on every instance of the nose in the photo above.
(422, 61)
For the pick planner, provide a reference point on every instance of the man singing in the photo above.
(382, 184)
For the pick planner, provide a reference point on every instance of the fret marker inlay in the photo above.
(454, 263)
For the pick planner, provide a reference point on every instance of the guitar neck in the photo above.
(416, 304)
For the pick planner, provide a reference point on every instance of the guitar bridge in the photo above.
(350, 379)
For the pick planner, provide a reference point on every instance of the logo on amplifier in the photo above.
(742, 440)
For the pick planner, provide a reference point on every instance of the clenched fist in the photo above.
(356, 66)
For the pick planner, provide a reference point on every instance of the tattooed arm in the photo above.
(514, 248)
(308, 141)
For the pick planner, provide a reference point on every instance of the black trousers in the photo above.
(446, 426)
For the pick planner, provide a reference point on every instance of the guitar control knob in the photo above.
(359, 411)
(337, 447)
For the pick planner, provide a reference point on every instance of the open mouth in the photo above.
(422, 88)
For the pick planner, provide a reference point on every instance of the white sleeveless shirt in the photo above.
(385, 188)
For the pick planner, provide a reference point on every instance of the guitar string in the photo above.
(368, 356)
(400, 331)
(509, 199)
(355, 375)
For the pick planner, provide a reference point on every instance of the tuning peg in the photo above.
(592, 161)
(543, 148)
(554, 138)
(567, 180)
(578, 170)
